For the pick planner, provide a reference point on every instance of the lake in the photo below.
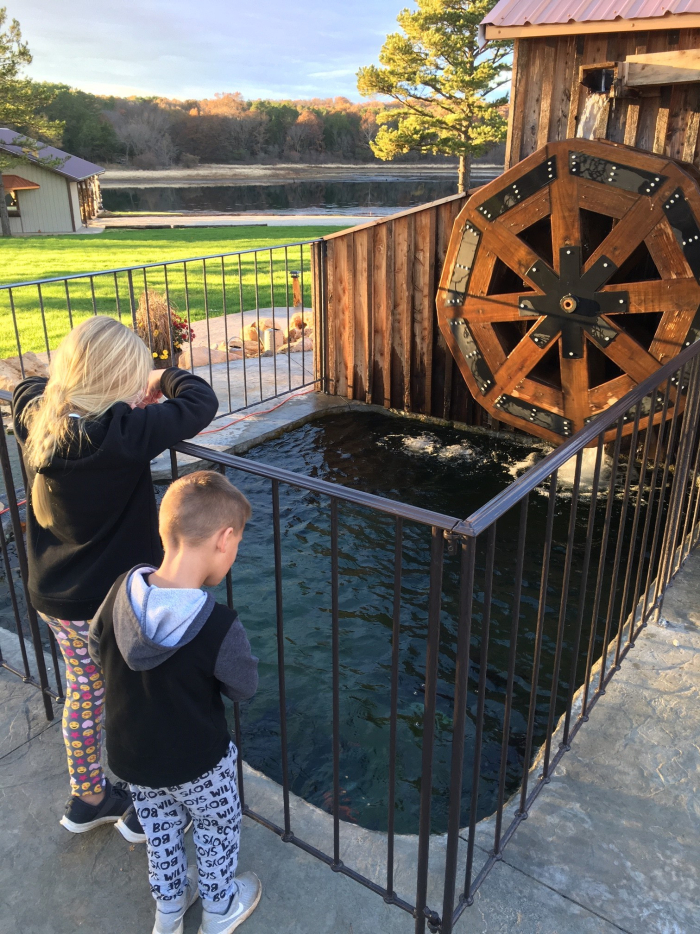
(335, 196)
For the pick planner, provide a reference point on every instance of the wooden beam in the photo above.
(532, 31)
(654, 68)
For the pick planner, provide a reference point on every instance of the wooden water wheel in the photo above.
(569, 280)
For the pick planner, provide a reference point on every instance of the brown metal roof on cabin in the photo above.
(17, 183)
(70, 167)
(532, 17)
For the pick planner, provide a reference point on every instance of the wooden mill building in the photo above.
(644, 56)
(49, 191)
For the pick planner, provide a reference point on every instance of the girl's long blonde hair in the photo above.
(99, 363)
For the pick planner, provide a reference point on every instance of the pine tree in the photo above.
(21, 102)
(443, 83)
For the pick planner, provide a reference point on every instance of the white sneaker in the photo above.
(171, 922)
(241, 906)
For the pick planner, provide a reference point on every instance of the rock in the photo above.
(293, 335)
(305, 344)
(199, 356)
(252, 348)
(11, 372)
(235, 354)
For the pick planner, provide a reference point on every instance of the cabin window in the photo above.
(12, 203)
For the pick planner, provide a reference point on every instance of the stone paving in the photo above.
(611, 845)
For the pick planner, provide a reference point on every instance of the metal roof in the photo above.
(71, 167)
(17, 183)
(518, 13)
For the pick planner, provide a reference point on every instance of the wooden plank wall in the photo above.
(384, 344)
(548, 98)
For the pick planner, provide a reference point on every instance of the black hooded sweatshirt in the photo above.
(102, 497)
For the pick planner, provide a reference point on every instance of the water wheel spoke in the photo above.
(490, 308)
(631, 356)
(512, 251)
(574, 381)
(660, 295)
(520, 362)
(630, 230)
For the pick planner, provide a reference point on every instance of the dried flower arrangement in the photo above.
(157, 323)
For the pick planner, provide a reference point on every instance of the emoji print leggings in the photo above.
(82, 711)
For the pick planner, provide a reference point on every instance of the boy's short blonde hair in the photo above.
(200, 504)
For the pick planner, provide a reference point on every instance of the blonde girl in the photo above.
(88, 435)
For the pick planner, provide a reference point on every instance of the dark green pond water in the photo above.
(438, 468)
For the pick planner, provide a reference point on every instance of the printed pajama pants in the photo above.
(82, 711)
(213, 804)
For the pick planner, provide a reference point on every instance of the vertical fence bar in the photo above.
(257, 320)
(585, 567)
(13, 312)
(663, 490)
(510, 678)
(206, 315)
(274, 327)
(68, 304)
(279, 612)
(43, 321)
(188, 311)
(459, 716)
(132, 299)
(431, 672)
(649, 513)
(92, 295)
(170, 320)
(618, 553)
(24, 571)
(243, 338)
(480, 708)
(394, 703)
(601, 567)
(538, 640)
(303, 316)
(116, 297)
(225, 308)
(289, 327)
(633, 551)
(147, 303)
(335, 664)
(563, 606)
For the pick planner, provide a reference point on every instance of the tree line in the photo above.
(151, 133)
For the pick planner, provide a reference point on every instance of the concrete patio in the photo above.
(611, 845)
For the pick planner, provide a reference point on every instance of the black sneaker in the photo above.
(129, 826)
(80, 816)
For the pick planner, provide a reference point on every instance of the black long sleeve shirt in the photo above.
(105, 519)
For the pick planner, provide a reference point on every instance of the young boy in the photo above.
(168, 652)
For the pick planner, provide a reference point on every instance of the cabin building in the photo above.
(50, 191)
(627, 72)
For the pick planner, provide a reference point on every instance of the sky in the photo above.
(195, 48)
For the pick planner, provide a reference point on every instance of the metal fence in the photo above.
(608, 530)
(219, 297)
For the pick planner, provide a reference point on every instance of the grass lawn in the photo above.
(216, 284)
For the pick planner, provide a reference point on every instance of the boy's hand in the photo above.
(153, 390)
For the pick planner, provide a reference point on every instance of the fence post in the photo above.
(24, 572)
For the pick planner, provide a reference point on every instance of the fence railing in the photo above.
(528, 607)
(219, 297)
